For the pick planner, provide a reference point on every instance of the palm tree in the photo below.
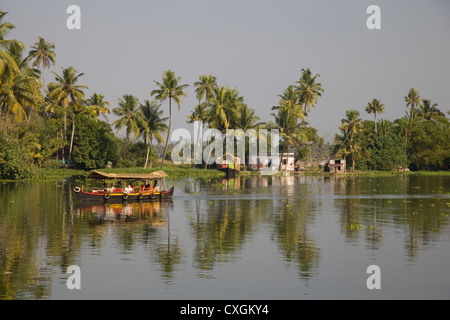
(375, 107)
(384, 127)
(247, 119)
(412, 100)
(403, 124)
(129, 117)
(308, 90)
(428, 111)
(152, 125)
(205, 87)
(224, 108)
(291, 99)
(65, 89)
(19, 90)
(351, 126)
(286, 121)
(170, 88)
(17, 94)
(97, 105)
(43, 54)
(199, 115)
(8, 67)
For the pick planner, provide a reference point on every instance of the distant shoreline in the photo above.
(175, 171)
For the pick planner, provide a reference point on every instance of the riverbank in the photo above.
(175, 171)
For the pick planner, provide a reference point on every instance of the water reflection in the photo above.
(291, 223)
(149, 212)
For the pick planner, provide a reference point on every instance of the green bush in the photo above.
(15, 164)
(94, 143)
(385, 153)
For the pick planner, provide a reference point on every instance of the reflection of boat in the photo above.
(117, 193)
(142, 212)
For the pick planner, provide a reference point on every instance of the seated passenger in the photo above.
(128, 189)
(156, 187)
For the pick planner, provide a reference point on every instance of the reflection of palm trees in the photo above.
(221, 230)
(294, 239)
(169, 255)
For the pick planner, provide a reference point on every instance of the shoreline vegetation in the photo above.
(181, 171)
(49, 124)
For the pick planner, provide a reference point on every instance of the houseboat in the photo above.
(119, 187)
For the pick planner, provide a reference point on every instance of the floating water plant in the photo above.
(354, 226)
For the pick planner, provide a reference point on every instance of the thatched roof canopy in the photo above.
(126, 176)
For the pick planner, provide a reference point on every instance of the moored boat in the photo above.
(120, 187)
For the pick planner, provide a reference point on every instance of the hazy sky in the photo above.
(259, 46)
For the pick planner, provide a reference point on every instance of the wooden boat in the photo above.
(229, 164)
(230, 172)
(111, 193)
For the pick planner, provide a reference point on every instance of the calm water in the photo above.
(257, 237)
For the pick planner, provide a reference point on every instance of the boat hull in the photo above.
(230, 173)
(122, 197)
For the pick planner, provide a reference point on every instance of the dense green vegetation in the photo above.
(50, 125)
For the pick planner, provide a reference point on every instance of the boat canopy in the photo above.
(126, 176)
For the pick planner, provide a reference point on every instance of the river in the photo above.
(254, 237)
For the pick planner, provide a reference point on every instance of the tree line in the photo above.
(55, 124)
(420, 140)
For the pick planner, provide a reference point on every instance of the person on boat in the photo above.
(119, 185)
(128, 189)
(156, 186)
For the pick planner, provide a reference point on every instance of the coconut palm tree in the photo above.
(129, 117)
(375, 106)
(223, 112)
(98, 105)
(403, 125)
(42, 53)
(8, 68)
(170, 88)
(351, 126)
(199, 115)
(292, 132)
(247, 118)
(384, 127)
(291, 99)
(308, 90)
(205, 87)
(68, 93)
(17, 89)
(20, 90)
(428, 111)
(152, 125)
(19, 93)
(413, 101)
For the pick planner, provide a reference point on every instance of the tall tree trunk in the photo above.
(71, 139)
(282, 154)
(123, 147)
(287, 157)
(406, 139)
(375, 115)
(63, 149)
(168, 132)
(43, 102)
(65, 132)
(146, 158)
(150, 148)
